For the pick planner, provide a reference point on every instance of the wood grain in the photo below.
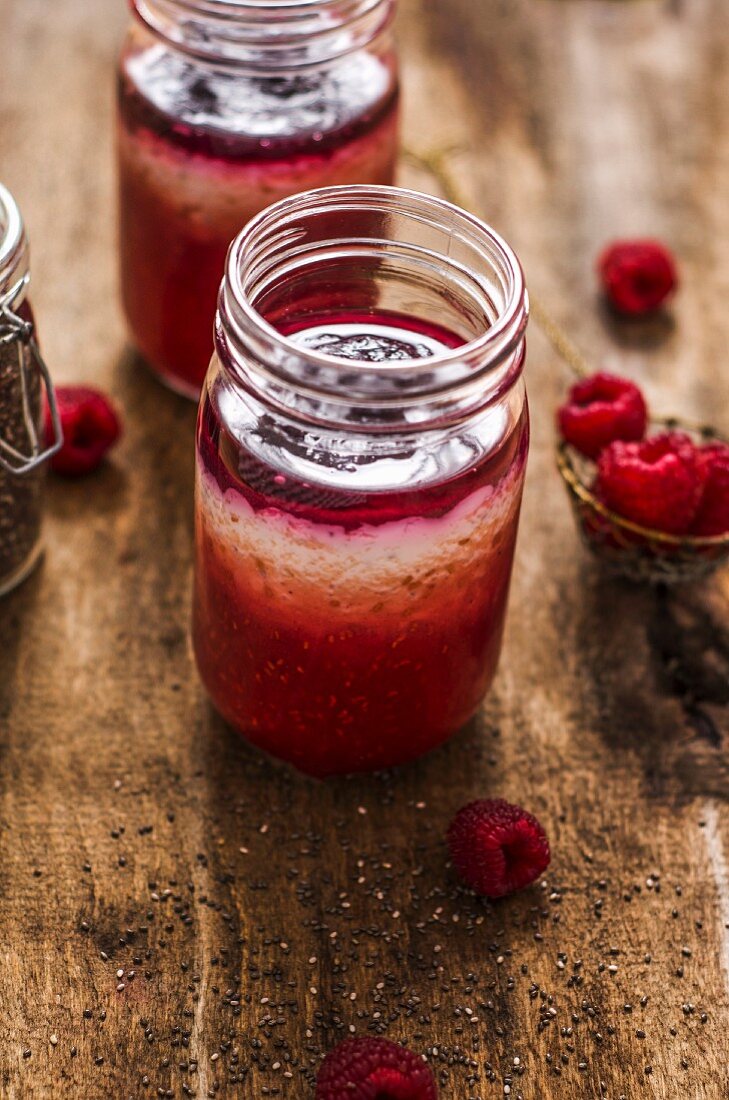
(265, 916)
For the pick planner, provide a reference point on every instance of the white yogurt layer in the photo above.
(372, 568)
(219, 196)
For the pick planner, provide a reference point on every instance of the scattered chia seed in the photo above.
(387, 920)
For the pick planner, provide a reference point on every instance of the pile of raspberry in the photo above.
(664, 482)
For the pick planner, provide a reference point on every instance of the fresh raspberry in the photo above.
(637, 276)
(90, 427)
(657, 483)
(374, 1069)
(713, 515)
(496, 847)
(599, 410)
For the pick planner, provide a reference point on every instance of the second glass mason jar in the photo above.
(226, 106)
(361, 449)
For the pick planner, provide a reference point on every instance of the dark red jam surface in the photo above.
(330, 666)
(321, 114)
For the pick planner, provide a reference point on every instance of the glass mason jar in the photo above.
(226, 106)
(361, 448)
(22, 377)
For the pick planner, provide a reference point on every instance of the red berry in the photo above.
(600, 409)
(374, 1069)
(637, 276)
(656, 483)
(713, 515)
(496, 847)
(90, 427)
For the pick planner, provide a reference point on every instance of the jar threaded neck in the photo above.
(265, 36)
(404, 240)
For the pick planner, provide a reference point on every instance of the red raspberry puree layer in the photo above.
(345, 630)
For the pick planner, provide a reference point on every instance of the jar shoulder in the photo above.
(241, 442)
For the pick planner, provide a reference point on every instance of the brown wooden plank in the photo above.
(272, 915)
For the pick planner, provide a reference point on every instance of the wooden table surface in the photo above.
(265, 916)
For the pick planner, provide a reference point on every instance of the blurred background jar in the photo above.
(226, 106)
(23, 375)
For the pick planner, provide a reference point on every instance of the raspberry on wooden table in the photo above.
(496, 847)
(372, 1068)
(637, 276)
(90, 428)
(601, 409)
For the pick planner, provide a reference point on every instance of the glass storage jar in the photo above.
(23, 375)
(226, 106)
(361, 449)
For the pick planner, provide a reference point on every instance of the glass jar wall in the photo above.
(226, 106)
(22, 377)
(361, 449)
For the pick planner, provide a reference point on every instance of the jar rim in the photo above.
(14, 271)
(242, 329)
(264, 35)
(267, 7)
